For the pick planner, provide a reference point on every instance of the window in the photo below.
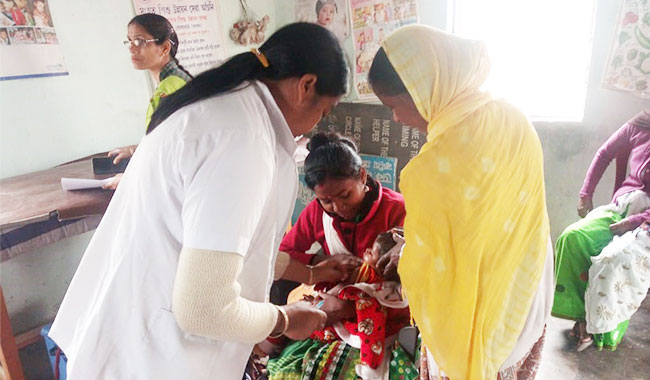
(539, 50)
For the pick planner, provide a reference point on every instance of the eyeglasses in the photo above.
(138, 42)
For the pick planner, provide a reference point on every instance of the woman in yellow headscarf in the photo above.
(477, 267)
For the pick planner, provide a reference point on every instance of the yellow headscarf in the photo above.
(476, 226)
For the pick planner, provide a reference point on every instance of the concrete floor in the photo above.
(560, 361)
(630, 361)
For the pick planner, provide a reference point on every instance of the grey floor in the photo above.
(560, 361)
(630, 361)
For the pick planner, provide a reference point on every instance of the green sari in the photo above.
(573, 251)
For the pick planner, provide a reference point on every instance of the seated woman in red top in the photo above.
(350, 208)
(349, 211)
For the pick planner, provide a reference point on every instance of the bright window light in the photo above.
(539, 50)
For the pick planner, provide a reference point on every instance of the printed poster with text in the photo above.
(29, 47)
(198, 25)
(629, 61)
(372, 21)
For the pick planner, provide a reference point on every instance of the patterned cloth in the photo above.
(370, 326)
(313, 360)
(618, 282)
(525, 369)
(171, 68)
(172, 78)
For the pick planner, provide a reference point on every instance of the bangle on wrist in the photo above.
(311, 275)
(286, 322)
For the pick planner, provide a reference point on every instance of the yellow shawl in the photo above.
(476, 227)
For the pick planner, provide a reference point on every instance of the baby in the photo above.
(381, 311)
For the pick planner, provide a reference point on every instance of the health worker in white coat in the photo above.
(175, 281)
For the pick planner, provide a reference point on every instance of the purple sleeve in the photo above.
(617, 143)
(639, 219)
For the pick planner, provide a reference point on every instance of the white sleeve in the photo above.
(226, 179)
(206, 299)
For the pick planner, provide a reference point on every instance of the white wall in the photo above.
(48, 121)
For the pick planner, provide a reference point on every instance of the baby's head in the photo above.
(325, 11)
(383, 243)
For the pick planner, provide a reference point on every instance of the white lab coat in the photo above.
(216, 175)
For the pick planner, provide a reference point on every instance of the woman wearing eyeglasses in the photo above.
(153, 43)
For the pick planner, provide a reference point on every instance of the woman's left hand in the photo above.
(622, 227)
(337, 309)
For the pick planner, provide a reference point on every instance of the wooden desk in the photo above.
(36, 211)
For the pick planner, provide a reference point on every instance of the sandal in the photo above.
(584, 339)
(584, 343)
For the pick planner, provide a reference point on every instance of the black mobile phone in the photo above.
(105, 165)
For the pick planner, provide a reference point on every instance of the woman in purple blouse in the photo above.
(629, 211)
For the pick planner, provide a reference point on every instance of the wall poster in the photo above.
(331, 14)
(629, 59)
(29, 47)
(372, 21)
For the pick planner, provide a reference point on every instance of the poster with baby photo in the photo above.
(29, 47)
(332, 14)
(372, 21)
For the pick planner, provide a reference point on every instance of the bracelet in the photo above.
(286, 322)
(311, 275)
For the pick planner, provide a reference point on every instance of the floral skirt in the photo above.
(618, 282)
(310, 359)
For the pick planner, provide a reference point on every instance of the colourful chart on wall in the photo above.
(198, 25)
(629, 61)
(29, 46)
(372, 21)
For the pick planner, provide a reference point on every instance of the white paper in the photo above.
(83, 183)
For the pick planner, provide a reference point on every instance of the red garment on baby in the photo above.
(373, 323)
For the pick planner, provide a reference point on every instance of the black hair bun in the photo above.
(318, 140)
(321, 139)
